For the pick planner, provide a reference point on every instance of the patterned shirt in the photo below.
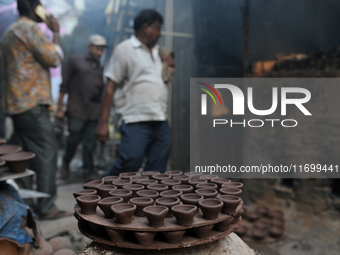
(27, 55)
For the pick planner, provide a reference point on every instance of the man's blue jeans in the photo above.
(140, 140)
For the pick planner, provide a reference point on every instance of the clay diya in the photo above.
(241, 231)
(150, 173)
(106, 203)
(135, 179)
(84, 192)
(174, 236)
(237, 185)
(263, 210)
(230, 203)
(171, 182)
(206, 186)
(277, 222)
(203, 232)
(174, 173)
(134, 188)
(220, 181)
(18, 162)
(123, 212)
(104, 189)
(141, 203)
(191, 198)
(208, 177)
(171, 193)
(168, 202)
(7, 149)
(231, 191)
(158, 187)
(260, 224)
(110, 179)
(127, 175)
(224, 225)
(207, 193)
(145, 183)
(259, 234)
(253, 216)
(148, 193)
(183, 178)
(210, 207)
(184, 188)
(193, 175)
(116, 236)
(88, 203)
(123, 193)
(145, 238)
(275, 231)
(121, 183)
(184, 214)
(194, 182)
(92, 184)
(156, 215)
(276, 214)
(160, 177)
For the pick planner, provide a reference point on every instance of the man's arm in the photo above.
(102, 133)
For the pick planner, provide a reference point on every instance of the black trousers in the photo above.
(33, 131)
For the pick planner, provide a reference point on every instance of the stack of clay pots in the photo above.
(12, 156)
(166, 210)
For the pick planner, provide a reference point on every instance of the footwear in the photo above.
(56, 214)
(64, 172)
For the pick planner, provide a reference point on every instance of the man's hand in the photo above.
(59, 114)
(102, 132)
(169, 61)
(53, 24)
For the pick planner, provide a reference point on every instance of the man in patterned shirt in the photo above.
(26, 96)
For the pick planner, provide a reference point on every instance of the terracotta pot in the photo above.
(134, 188)
(208, 177)
(88, 203)
(145, 238)
(224, 225)
(106, 203)
(156, 215)
(171, 193)
(19, 161)
(193, 175)
(174, 173)
(145, 183)
(104, 189)
(123, 193)
(191, 198)
(168, 202)
(121, 183)
(116, 236)
(8, 148)
(158, 187)
(230, 203)
(207, 186)
(277, 214)
(171, 182)
(220, 181)
(237, 216)
(210, 207)
(253, 216)
(207, 193)
(148, 193)
(241, 231)
(263, 210)
(150, 173)
(174, 236)
(277, 222)
(194, 182)
(127, 175)
(231, 191)
(260, 224)
(141, 203)
(110, 179)
(123, 212)
(184, 214)
(92, 184)
(237, 185)
(160, 177)
(183, 178)
(135, 179)
(203, 232)
(275, 231)
(259, 234)
(184, 188)
(84, 192)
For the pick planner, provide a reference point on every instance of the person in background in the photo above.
(27, 55)
(83, 82)
(140, 96)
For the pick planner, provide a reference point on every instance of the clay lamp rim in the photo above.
(18, 156)
(171, 182)
(161, 176)
(160, 209)
(110, 178)
(105, 187)
(208, 177)
(88, 198)
(107, 200)
(220, 180)
(133, 187)
(147, 182)
(142, 193)
(206, 191)
(181, 178)
(189, 196)
(192, 174)
(9, 148)
(157, 186)
(141, 200)
(207, 185)
(207, 203)
(92, 184)
(171, 193)
(184, 208)
(229, 198)
(150, 173)
(139, 178)
(127, 175)
(120, 192)
(197, 181)
(231, 190)
(122, 181)
(84, 192)
(182, 187)
(123, 207)
(161, 201)
(174, 172)
(237, 185)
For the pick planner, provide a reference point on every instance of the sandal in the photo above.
(56, 214)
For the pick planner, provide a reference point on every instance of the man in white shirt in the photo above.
(140, 95)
